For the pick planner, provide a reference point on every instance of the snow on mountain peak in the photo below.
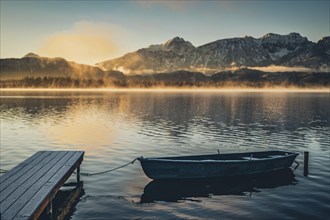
(280, 45)
(269, 35)
(289, 38)
(177, 43)
(174, 40)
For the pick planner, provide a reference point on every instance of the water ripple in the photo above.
(114, 128)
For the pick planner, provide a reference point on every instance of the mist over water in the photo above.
(113, 128)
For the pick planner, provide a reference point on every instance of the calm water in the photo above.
(113, 128)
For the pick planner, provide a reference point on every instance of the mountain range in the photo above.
(178, 54)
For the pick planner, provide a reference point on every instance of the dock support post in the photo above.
(78, 174)
(306, 157)
(50, 209)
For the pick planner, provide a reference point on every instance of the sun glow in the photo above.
(86, 42)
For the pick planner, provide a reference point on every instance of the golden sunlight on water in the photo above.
(90, 120)
(114, 127)
(85, 131)
(275, 108)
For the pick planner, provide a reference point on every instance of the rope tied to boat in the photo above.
(110, 170)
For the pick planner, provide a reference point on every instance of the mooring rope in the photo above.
(110, 170)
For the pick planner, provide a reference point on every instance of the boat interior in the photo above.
(234, 156)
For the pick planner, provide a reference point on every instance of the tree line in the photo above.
(175, 80)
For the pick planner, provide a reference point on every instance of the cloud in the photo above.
(173, 5)
(274, 68)
(86, 42)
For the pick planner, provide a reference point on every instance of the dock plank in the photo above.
(18, 167)
(34, 157)
(32, 194)
(13, 172)
(73, 160)
(33, 189)
(55, 182)
(15, 190)
(77, 158)
(28, 176)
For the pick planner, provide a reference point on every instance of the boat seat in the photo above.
(251, 158)
(275, 156)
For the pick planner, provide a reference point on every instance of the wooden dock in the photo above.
(27, 189)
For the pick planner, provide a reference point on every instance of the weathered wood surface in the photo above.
(28, 188)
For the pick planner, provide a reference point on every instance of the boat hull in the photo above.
(219, 165)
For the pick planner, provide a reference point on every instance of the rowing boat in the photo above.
(216, 165)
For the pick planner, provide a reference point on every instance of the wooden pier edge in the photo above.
(27, 189)
(48, 201)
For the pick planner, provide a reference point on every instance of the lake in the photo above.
(114, 127)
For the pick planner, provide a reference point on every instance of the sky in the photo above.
(93, 31)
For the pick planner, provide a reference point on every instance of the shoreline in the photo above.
(170, 89)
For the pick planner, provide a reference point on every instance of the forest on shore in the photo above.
(244, 78)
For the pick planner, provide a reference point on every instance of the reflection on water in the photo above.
(64, 202)
(115, 127)
(176, 190)
(172, 116)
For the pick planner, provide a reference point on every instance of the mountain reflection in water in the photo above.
(176, 190)
(115, 127)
